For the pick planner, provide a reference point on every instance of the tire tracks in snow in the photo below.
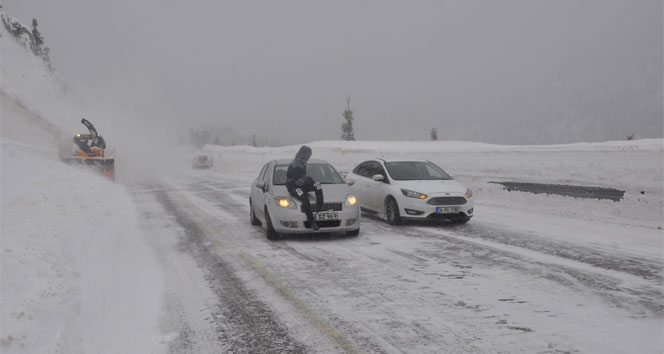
(189, 303)
(226, 225)
(466, 254)
(249, 326)
(618, 285)
(336, 271)
(637, 266)
(568, 264)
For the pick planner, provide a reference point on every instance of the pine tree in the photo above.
(37, 39)
(434, 134)
(347, 132)
(37, 45)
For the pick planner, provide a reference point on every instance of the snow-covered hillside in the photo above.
(76, 274)
(633, 166)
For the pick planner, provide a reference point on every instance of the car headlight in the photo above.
(350, 200)
(469, 193)
(285, 202)
(413, 194)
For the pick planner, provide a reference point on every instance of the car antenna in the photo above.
(381, 152)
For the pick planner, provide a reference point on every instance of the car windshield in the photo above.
(202, 158)
(321, 172)
(415, 170)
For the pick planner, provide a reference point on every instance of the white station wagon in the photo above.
(410, 189)
(271, 205)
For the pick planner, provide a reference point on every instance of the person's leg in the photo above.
(302, 196)
(319, 196)
(310, 185)
(307, 185)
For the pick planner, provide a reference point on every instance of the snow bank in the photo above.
(76, 273)
(634, 166)
(636, 163)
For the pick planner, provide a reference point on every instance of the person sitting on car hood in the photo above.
(299, 184)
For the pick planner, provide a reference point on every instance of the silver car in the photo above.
(272, 206)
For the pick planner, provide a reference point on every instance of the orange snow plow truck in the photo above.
(89, 149)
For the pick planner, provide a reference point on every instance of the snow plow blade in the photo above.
(103, 165)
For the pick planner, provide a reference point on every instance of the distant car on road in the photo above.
(410, 189)
(272, 206)
(201, 161)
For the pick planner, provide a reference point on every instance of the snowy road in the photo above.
(509, 281)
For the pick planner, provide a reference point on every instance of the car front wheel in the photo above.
(463, 219)
(270, 233)
(392, 212)
(353, 232)
(252, 216)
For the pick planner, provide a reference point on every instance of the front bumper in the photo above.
(291, 221)
(411, 208)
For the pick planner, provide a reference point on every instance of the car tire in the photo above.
(270, 233)
(353, 233)
(462, 220)
(392, 212)
(252, 215)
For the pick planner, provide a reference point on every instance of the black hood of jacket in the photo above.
(297, 168)
(303, 154)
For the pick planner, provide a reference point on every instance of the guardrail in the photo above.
(566, 190)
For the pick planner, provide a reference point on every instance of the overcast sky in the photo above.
(506, 71)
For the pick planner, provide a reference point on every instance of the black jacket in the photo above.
(297, 169)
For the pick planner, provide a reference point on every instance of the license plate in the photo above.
(326, 216)
(451, 210)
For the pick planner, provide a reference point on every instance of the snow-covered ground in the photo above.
(510, 280)
(77, 275)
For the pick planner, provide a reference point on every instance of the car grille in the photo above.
(447, 201)
(327, 223)
(434, 216)
(326, 206)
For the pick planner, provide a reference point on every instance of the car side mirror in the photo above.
(260, 184)
(378, 178)
(350, 182)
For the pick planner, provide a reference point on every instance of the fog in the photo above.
(508, 72)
